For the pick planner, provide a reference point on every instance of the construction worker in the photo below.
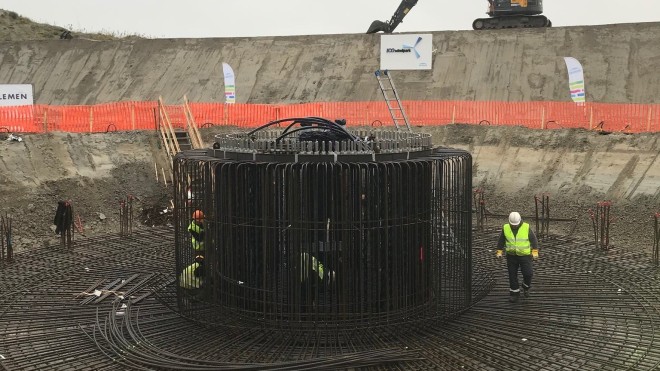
(521, 246)
(314, 278)
(196, 229)
(317, 267)
(192, 278)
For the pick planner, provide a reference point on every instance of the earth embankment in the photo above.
(620, 62)
(575, 168)
(94, 171)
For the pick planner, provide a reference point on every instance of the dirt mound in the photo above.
(157, 214)
(94, 171)
(14, 27)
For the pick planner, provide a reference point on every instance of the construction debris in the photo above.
(14, 138)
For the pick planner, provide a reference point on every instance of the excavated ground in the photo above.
(575, 168)
(591, 309)
(94, 171)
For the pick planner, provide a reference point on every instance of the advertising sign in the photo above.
(406, 52)
(16, 95)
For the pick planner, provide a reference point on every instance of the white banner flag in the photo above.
(575, 79)
(230, 84)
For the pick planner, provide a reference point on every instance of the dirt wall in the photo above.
(620, 63)
(575, 168)
(94, 171)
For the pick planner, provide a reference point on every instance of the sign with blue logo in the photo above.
(406, 52)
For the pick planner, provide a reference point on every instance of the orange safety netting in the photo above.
(633, 118)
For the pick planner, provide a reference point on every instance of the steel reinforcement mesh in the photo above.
(364, 259)
(590, 310)
(332, 246)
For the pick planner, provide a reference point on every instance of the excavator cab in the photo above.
(513, 14)
(517, 7)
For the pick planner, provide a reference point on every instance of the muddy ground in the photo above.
(93, 171)
(575, 169)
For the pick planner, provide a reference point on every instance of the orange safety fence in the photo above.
(121, 116)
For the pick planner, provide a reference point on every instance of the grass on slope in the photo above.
(14, 27)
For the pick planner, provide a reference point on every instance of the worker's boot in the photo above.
(525, 290)
(513, 296)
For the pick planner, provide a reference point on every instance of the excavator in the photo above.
(501, 13)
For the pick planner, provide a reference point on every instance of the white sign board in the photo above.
(16, 95)
(406, 52)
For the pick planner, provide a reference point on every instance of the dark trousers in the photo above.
(524, 263)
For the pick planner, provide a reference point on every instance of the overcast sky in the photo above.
(235, 18)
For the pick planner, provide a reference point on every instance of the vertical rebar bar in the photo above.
(656, 239)
(536, 212)
(479, 203)
(122, 210)
(542, 207)
(546, 219)
(130, 214)
(126, 216)
(601, 220)
(2, 237)
(6, 247)
(9, 233)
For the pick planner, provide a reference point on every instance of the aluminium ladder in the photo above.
(393, 104)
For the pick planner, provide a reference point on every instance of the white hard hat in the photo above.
(514, 218)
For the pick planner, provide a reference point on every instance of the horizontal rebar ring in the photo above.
(365, 146)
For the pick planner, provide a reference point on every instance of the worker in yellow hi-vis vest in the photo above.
(192, 277)
(521, 246)
(315, 278)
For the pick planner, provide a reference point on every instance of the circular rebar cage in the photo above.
(303, 232)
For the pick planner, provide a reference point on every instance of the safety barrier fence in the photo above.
(632, 118)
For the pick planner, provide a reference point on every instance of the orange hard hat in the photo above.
(198, 215)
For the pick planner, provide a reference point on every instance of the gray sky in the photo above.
(232, 18)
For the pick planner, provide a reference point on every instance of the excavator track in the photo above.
(511, 21)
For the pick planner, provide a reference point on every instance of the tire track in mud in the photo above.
(617, 190)
(631, 193)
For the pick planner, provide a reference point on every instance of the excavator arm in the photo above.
(399, 14)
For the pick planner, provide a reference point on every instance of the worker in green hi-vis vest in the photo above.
(196, 230)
